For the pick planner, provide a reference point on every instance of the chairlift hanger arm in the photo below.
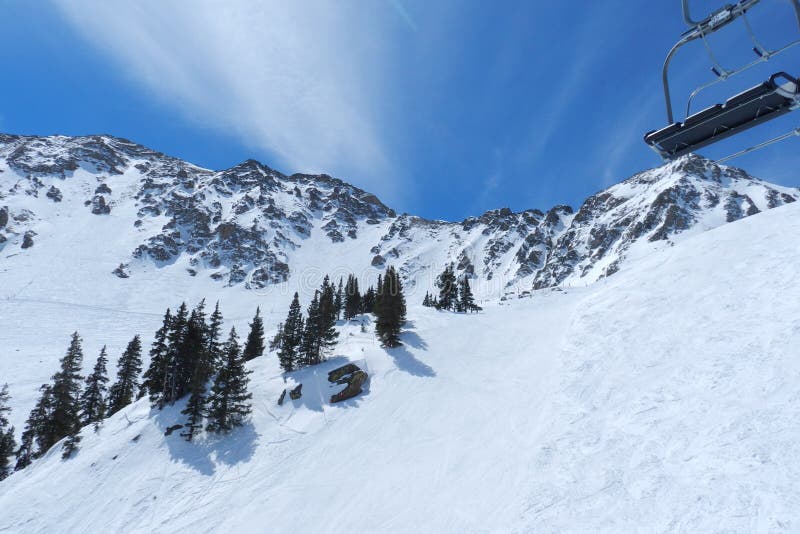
(698, 30)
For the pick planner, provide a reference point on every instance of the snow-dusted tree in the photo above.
(123, 392)
(309, 345)
(292, 336)
(156, 374)
(64, 421)
(254, 347)
(93, 398)
(368, 300)
(229, 402)
(7, 444)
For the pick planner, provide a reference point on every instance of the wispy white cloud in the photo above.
(301, 80)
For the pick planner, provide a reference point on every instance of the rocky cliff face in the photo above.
(253, 226)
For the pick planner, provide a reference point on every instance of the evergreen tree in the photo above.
(93, 398)
(229, 400)
(427, 301)
(155, 376)
(391, 309)
(175, 342)
(255, 339)
(7, 443)
(353, 301)
(197, 367)
(214, 337)
(368, 300)
(291, 338)
(64, 421)
(466, 301)
(309, 345)
(448, 289)
(338, 301)
(277, 340)
(37, 432)
(327, 324)
(124, 390)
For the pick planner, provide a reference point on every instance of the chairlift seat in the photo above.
(749, 108)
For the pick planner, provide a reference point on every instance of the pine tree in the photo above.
(214, 337)
(448, 289)
(155, 376)
(255, 339)
(36, 436)
(391, 309)
(427, 301)
(191, 349)
(198, 367)
(7, 443)
(338, 301)
(309, 345)
(171, 386)
(466, 301)
(124, 390)
(328, 335)
(368, 300)
(291, 338)
(93, 398)
(353, 301)
(277, 340)
(229, 400)
(65, 416)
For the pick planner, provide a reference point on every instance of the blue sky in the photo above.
(444, 109)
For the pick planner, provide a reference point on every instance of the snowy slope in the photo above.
(664, 398)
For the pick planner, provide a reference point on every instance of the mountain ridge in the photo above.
(245, 224)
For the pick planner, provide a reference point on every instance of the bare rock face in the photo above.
(3, 216)
(54, 194)
(352, 377)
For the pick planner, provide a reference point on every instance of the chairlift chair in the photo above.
(773, 98)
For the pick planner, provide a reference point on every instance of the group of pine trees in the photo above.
(189, 359)
(64, 406)
(455, 294)
(306, 340)
(303, 341)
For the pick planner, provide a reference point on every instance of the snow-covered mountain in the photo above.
(663, 398)
(253, 226)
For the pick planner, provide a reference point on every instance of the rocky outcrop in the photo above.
(296, 392)
(352, 377)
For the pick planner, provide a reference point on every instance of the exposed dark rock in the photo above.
(54, 194)
(297, 392)
(352, 376)
(121, 271)
(102, 189)
(283, 396)
(27, 240)
(171, 429)
(99, 206)
(3, 216)
(378, 261)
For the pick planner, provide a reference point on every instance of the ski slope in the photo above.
(663, 399)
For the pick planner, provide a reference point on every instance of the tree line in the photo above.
(304, 340)
(455, 294)
(189, 359)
